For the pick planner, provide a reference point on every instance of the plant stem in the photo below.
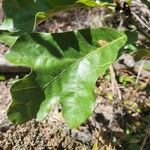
(115, 88)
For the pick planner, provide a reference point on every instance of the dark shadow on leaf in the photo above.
(48, 45)
(64, 43)
(86, 34)
(106, 1)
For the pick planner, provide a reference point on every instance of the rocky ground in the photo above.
(115, 124)
(121, 124)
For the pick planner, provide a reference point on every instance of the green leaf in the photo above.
(141, 54)
(132, 37)
(8, 38)
(65, 67)
(2, 77)
(23, 15)
(147, 65)
(7, 25)
(94, 3)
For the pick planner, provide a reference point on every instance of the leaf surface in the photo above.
(8, 38)
(65, 67)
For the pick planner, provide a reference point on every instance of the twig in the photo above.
(126, 61)
(134, 19)
(140, 21)
(141, 30)
(115, 88)
(139, 72)
(144, 142)
(77, 20)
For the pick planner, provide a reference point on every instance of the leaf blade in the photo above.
(65, 67)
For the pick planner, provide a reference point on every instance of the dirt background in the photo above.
(114, 124)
